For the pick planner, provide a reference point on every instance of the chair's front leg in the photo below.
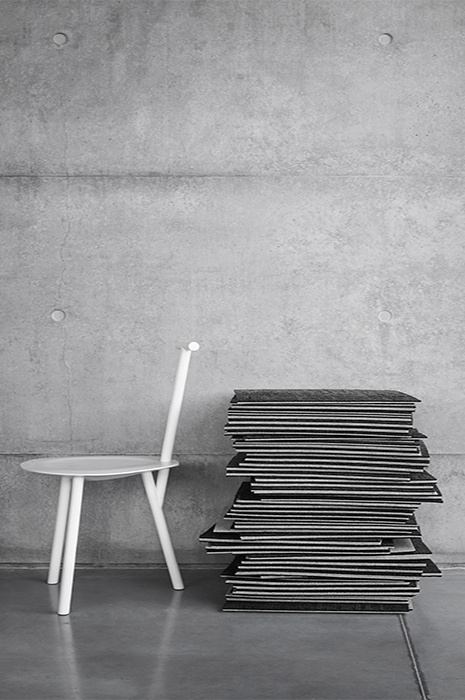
(60, 530)
(69, 559)
(163, 534)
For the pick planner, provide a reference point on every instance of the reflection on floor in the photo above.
(131, 636)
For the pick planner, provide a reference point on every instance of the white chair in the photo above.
(75, 470)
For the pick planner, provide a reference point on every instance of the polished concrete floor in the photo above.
(130, 636)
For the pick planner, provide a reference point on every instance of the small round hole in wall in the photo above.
(60, 39)
(58, 315)
(385, 316)
(385, 39)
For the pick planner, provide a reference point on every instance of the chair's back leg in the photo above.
(162, 529)
(60, 529)
(162, 481)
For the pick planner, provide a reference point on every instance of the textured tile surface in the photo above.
(131, 636)
(280, 279)
(442, 523)
(246, 87)
(264, 176)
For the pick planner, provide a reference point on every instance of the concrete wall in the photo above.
(263, 176)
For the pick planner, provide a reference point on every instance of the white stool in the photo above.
(75, 470)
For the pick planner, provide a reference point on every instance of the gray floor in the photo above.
(131, 636)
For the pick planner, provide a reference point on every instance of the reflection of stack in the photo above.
(326, 522)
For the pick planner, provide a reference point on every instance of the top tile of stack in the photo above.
(322, 396)
(321, 412)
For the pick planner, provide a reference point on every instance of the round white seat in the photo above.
(97, 466)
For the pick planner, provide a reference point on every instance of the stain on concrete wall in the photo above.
(263, 177)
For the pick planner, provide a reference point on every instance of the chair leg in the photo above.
(60, 530)
(69, 559)
(163, 534)
(161, 482)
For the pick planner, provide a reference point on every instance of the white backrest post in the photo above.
(173, 414)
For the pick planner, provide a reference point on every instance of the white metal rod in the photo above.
(176, 400)
(69, 560)
(162, 529)
(162, 481)
(60, 530)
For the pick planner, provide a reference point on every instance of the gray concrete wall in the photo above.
(263, 176)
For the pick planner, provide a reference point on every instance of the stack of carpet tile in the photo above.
(325, 521)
